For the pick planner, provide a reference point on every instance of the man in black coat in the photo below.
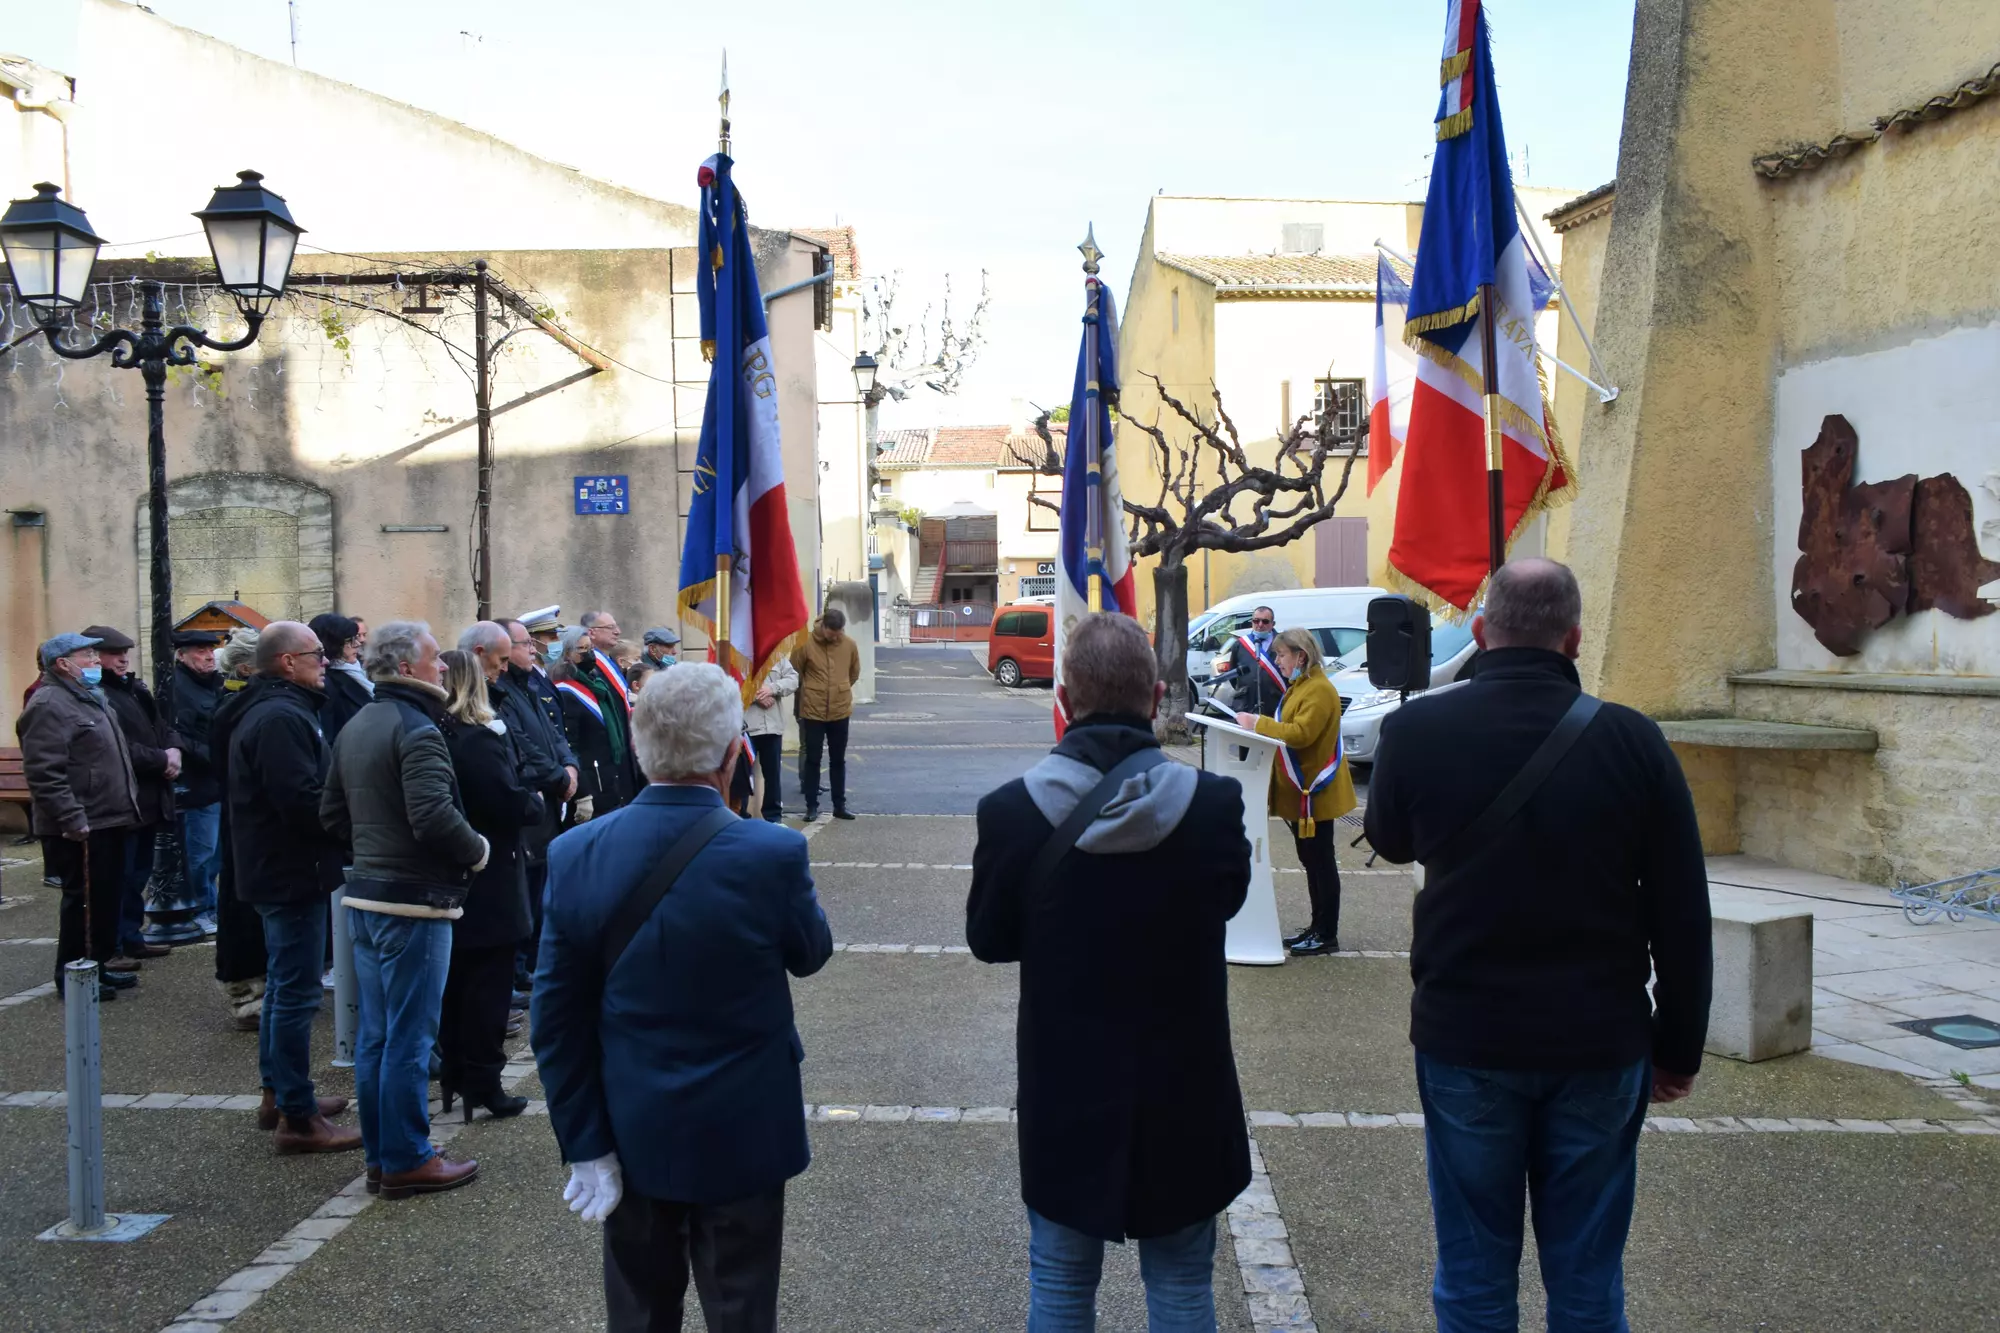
(287, 865)
(156, 763)
(523, 682)
(198, 791)
(1537, 1043)
(1131, 1122)
(1254, 679)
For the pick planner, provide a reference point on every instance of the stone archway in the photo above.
(265, 536)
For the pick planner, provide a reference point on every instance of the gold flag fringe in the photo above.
(1443, 319)
(1453, 66)
(753, 673)
(1454, 125)
(708, 349)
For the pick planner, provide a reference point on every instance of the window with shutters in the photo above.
(1303, 238)
(1345, 403)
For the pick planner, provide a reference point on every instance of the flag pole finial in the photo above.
(723, 101)
(1091, 254)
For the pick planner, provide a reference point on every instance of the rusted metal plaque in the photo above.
(1946, 568)
(1852, 574)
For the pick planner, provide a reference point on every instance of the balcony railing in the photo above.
(978, 556)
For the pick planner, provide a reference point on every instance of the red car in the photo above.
(1021, 646)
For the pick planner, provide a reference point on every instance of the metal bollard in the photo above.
(346, 993)
(84, 1098)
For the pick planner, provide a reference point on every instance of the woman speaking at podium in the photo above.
(1310, 784)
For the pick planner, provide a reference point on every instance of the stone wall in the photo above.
(1924, 806)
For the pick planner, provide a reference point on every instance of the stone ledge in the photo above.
(1867, 683)
(1744, 733)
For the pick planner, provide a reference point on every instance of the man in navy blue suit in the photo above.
(673, 1079)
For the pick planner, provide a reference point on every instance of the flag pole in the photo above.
(724, 561)
(1496, 477)
(1093, 522)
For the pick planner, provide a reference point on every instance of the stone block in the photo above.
(1762, 1006)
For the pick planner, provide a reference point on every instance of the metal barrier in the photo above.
(959, 622)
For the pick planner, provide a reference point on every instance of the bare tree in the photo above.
(1213, 498)
(887, 335)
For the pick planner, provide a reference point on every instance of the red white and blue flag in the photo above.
(582, 694)
(738, 509)
(1092, 491)
(1471, 236)
(1395, 374)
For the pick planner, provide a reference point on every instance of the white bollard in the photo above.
(85, 1092)
(346, 994)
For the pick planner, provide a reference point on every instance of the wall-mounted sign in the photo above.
(603, 495)
(1045, 566)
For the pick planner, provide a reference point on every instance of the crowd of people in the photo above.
(426, 784)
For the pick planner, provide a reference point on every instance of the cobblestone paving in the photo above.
(1799, 1194)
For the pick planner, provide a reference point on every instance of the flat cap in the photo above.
(62, 645)
(660, 634)
(197, 638)
(109, 639)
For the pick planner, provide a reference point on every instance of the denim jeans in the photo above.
(201, 849)
(400, 964)
(294, 940)
(132, 889)
(1064, 1266)
(1569, 1141)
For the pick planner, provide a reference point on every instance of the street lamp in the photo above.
(864, 373)
(50, 250)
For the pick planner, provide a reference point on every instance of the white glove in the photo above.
(580, 812)
(594, 1188)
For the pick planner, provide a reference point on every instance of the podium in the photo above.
(1253, 936)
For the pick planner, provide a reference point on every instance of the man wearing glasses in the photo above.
(285, 866)
(1259, 685)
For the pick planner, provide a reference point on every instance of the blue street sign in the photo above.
(603, 495)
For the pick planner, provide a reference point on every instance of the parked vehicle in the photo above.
(1362, 706)
(1338, 618)
(1022, 644)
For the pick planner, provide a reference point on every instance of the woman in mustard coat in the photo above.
(1310, 784)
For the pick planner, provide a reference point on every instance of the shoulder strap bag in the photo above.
(1087, 810)
(639, 904)
(1523, 785)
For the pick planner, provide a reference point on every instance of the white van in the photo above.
(1338, 618)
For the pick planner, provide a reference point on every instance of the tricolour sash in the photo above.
(1309, 790)
(1264, 661)
(582, 695)
(614, 678)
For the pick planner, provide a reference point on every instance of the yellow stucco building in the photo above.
(1801, 229)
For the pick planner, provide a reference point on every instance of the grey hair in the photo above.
(281, 637)
(590, 618)
(393, 644)
(685, 720)
(1532, 603)
(484, 632)
(570, 638)
(239, 652)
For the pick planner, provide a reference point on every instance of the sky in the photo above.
(961, 137)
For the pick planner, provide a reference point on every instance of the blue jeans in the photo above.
(132, 890)
(201, 850)
(1064, 1266)
(400, 964)
(1570, 1143)
(294, 942)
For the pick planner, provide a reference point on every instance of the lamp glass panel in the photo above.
(279, 246)
(238, 246)
(73, 267)
(31, 255)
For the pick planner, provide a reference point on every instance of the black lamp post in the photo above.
(50, 250)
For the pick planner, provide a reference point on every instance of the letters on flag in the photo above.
(738, 509)
(1471, 236)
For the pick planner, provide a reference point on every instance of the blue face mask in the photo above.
(93, 676)
(552, 653)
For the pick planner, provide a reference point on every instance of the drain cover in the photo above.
(1968, 1032)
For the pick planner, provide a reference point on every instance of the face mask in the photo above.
(552, 653)
(1295, 673)
(93, 676)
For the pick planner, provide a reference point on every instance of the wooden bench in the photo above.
(13, 780)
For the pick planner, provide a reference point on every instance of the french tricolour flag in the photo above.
(738, 509)
(1089, 491)
(1471, 235)
(1395, 373)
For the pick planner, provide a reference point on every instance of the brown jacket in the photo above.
(828, 664)
(74, 757)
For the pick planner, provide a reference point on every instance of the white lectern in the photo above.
(1253, 935)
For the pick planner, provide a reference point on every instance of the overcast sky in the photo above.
(955, 137)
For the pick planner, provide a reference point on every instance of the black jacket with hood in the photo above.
(1131, 1121)
(197, 694)
(147, 740)
(277, 765)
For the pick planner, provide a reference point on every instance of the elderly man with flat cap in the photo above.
(85, 800)
(662, 648)
(155, 750)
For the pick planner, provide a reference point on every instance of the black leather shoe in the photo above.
(1305, 934)
(519, 1000)
(843, 814)
(1314, 945)
(105, 994)
(811, 814)
(119, 980)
